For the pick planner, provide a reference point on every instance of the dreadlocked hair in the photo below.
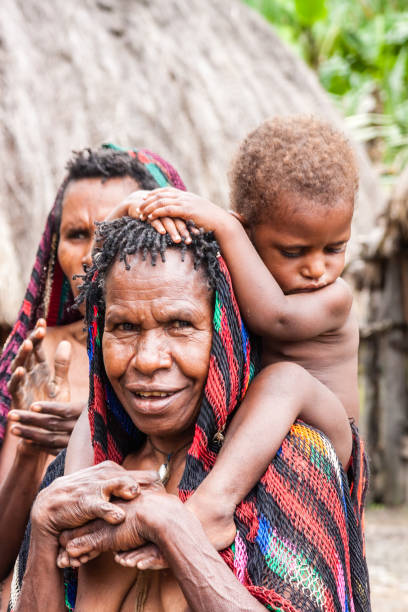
(126, 236)
(109, 163)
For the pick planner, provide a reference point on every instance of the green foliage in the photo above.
(359, 49)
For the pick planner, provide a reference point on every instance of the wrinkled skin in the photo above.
(73, 500)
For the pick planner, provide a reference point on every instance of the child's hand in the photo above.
(145, 557)
(130, 207)
(174, 203)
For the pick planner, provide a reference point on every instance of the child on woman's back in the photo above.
(293, 185)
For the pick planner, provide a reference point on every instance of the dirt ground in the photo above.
(387, 556)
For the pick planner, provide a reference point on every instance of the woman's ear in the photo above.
(242, 220)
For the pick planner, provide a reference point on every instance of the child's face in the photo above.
(305, 249)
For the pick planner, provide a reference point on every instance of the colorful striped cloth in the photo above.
(48, 292)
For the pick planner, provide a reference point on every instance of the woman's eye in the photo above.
(127, 327)
(78, 234)
(179, 324)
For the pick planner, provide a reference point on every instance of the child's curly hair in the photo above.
(297, 154)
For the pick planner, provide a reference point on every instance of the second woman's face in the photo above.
(86, 201)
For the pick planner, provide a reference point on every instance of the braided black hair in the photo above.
(126, 236)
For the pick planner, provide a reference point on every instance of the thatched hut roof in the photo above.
(183, 77)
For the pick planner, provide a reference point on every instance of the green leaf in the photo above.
(310, 11)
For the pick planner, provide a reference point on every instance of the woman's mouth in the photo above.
(149, 394)
(151, 401)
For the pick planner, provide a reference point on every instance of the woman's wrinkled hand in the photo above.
(145, 521)
(74, 500)
(42, 414)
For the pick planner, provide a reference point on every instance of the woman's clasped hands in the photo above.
(105, 508)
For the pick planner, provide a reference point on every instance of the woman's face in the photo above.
(157, 341)
(86, 201)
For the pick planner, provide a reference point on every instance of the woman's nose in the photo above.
(152, 352)
(87, 256)
(314, 267)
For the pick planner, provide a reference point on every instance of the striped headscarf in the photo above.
(49, 292)
(299, 545)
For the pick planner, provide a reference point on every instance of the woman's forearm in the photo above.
(43, 586)
(206, 581)
(17, 494)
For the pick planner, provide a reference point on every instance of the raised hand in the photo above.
(42, 414)
(171, 202)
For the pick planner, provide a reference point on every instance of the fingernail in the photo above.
(178, 237)
(16, 430)
(149, 216)
(14, 416)
(36, 407)
(117, 515)
(141, 565)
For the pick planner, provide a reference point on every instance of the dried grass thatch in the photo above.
(184, 77)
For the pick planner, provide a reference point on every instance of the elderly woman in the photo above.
(170, 361)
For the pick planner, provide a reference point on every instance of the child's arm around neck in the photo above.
(266, 309)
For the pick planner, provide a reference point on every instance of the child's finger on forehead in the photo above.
(169, 210)
(161, 203)
(158, 226)
(171, 229)
(134, 210)
(157, 194)
(183, 230)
